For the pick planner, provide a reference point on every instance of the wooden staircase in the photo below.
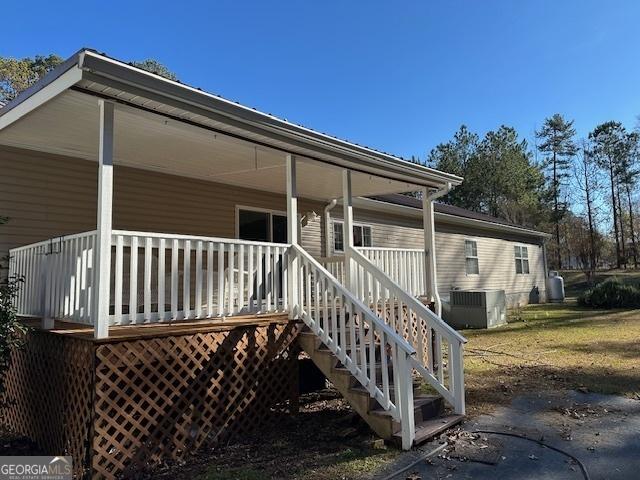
(372, 342)
(429, 412)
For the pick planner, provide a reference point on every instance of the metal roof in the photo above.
(112, 77)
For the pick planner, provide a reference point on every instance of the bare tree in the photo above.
(587, 182)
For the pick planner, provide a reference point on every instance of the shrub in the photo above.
(611, 293)
(11, 329)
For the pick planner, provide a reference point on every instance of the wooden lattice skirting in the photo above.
(121, 406)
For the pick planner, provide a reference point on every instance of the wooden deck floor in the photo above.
(132, 332)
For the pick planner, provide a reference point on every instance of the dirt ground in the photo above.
(326, 440)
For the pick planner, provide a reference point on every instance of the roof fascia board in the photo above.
(377, 205)
(40, 96)
(267, 124)
(344, 161)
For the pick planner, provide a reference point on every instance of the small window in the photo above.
(522, 259)
(361, 236)
(471, 257)
(338, 241)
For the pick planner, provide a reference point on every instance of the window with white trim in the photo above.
(472, 266)
(361, 236)
(522, 259)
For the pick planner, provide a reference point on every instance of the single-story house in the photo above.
(177, 249)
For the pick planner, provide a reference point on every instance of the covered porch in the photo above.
(144, 273)
(170, 288)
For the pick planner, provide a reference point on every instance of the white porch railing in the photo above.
(402, 265)
(161, 277)
(155, 277)
(58, 277)
(439, 358)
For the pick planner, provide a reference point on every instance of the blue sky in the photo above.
(398, 76)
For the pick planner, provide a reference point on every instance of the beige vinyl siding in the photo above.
(496, 262)
(46, 196)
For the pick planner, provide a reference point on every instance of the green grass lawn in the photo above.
(555, 346)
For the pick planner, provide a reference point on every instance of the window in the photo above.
(261, 226)
(471, 257)
(338, 240)
(522, 260)
(361, 236)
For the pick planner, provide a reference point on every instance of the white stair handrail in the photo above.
(320, 294)
(454, 391)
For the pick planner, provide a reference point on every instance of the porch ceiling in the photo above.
(68, 125)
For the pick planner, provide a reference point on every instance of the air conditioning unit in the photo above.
(477, 308)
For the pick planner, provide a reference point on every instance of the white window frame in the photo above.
(521, 259)
(341, 222)
(476, 257)
(271, 213)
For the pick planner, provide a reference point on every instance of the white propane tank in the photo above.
(555, 286)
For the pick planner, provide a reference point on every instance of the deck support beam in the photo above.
(347, 205)
(292, 237)
(102, 260)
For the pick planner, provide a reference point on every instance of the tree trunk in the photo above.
(592, 239)
(615, 215)
(632, 229)
(623, 246)
(555, 211)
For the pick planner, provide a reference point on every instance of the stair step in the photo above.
(373, 403)
(425, 407)
(428, 429)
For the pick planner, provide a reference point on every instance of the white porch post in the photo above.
(102, 261)
(292, 236)
(431, 279)
(347, 205)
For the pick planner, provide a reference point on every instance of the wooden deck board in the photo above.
(180, 327)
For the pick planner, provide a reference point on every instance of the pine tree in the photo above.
(557, 136)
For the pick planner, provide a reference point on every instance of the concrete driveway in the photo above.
(602, 431)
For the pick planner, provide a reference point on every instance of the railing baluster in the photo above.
(186, 280)
(326, 324)
(209, 279)
(372, 359)
(260, 281)
(384, 368)
(198, 297)
(231, 274)
(148, 250)
(220, 279)
(73, 280)
(241, 295)
(133, 280)
(267, 278)
(438, 356)
(252, 280)
(284, 287)
(118, 272)
(162, 245)
(174, 279)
